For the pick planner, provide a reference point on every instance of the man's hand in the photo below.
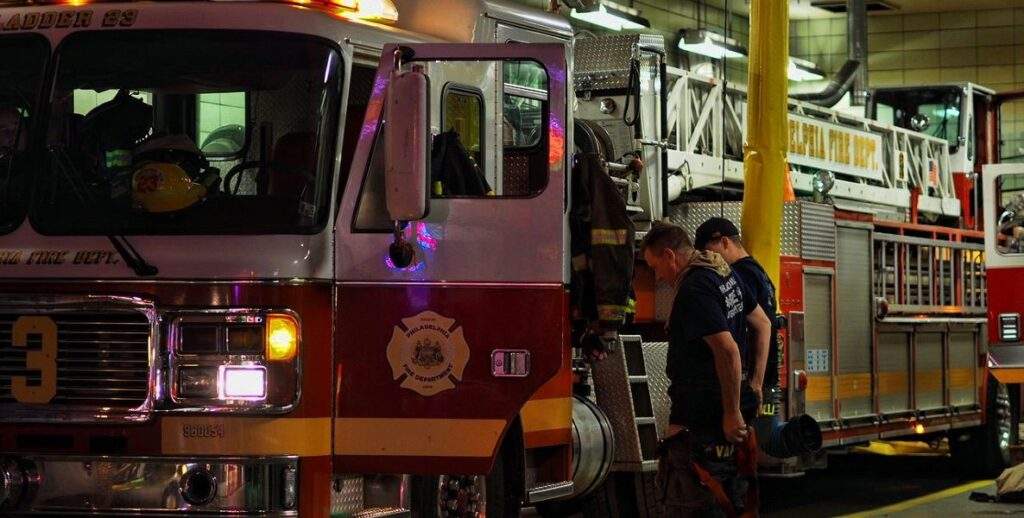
(727, 367)
(756, 387)
(733, 426)
(598, 346)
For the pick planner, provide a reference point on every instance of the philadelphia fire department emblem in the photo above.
(428, 352)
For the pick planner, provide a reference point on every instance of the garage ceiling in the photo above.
(801, 9)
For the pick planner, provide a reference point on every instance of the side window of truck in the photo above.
(490, 137)
(87, 100)
(221, 123)
(462, 111)
(525, 95)
(360, 89)
(220, 118)
(1009, 213)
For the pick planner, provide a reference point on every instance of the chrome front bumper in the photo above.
(126, 486)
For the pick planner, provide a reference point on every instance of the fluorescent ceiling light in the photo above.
(803, 70)
(712, 45)
(611, 15)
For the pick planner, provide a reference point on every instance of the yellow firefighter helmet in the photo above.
(164, 187)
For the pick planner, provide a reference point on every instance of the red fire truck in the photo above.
(241, 275)
(1001, 181)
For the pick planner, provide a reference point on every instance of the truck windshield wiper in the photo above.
(124, 248)
(132, 257)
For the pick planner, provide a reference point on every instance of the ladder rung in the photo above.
(638, 379)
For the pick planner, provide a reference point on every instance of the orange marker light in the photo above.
(919, 428)
(282, 337)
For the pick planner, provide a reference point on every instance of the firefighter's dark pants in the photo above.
(699, 476)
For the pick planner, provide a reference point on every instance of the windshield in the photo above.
(935, 111)
(189, 132)
(22, 62)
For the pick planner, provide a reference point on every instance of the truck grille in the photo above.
(102, 358)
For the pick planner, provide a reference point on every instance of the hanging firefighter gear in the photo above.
(453, 171)
(602, 245)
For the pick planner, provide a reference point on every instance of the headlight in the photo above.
(1009, 327)
(238, 360)
(243, 382)
(197, 382)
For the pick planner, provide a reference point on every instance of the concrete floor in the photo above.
(860, 485)
(950, 502)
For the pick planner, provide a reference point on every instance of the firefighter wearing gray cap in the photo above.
(801, 434)
(708, 459)
(721, 236)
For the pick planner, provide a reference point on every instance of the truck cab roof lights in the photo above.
(611, 15)
(710, 44)
(374, 10)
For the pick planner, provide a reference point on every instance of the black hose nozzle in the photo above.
(799, 436)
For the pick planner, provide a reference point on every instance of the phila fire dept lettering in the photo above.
(68, 19)
(428, 353)
(57, 257)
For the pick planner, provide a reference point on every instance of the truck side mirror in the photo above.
(407, 144)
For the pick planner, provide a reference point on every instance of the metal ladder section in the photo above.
(631, 388)
(707, 124)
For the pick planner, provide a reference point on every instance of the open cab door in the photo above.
(452, 261)
(1004, 261)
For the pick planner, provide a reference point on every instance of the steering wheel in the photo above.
(237, 171)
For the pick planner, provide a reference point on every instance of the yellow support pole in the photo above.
(764, 157)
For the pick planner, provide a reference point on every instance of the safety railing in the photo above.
(872, 162)
(921, 275)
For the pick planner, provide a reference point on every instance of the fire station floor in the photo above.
(884, 480)
(948, 502)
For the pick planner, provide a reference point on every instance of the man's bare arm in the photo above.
(758, 322)
(730, 374)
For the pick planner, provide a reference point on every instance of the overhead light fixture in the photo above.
(710, 44)
(611, 15)
(803, 70)
(840, 6)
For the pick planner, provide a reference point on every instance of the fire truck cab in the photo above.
(200, 313)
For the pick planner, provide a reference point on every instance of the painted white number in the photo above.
(43, 360)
